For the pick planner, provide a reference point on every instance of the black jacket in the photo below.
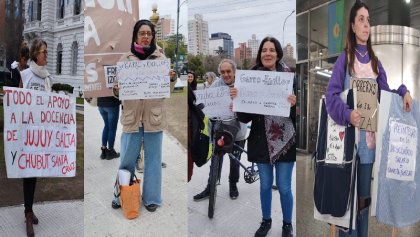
(257, 140)
(109, 101)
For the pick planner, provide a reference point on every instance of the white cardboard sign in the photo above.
(39, 134)
(216, 101)
(263, 92)
(146, 79)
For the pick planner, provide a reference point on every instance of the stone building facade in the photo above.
(61, 24)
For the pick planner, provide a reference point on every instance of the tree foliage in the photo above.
(169, 46)
(195, 64)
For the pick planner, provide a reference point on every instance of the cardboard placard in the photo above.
(216, 101)
(145, 79)
(366, 94)
(263, 92)
(39, 133)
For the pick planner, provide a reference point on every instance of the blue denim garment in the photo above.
(110, 116)
(283, 176)
(399, 201)
(152, 178)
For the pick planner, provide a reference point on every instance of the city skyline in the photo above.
(231, 17)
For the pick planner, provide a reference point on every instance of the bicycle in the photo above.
(223, 143)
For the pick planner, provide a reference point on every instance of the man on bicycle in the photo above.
(227, 69)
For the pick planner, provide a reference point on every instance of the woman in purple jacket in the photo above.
(359, 61)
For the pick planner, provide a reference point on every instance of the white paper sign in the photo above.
(110, 75)
(146, 79)
(402, 151)
(335, 143)
(216, 101)
(39, 134)
(263, 92)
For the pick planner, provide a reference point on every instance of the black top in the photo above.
(109, 101)
(15, 78)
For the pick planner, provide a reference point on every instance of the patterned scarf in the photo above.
(280, 135)
(142, 52)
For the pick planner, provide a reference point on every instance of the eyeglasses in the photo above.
(144, 34)
(44, 51)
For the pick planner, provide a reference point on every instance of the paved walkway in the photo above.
(101, 220)
(240, 217)
(63, 218)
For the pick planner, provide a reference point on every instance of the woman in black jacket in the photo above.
(272, 145)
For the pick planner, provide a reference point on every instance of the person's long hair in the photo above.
(279, 51)
(137, 27)
(351, 40)
(193, 84)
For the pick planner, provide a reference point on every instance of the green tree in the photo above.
(211, 63)
(169, 46)
(195, 64)
(246, 64)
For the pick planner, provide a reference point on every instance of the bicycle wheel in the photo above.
(213, 185)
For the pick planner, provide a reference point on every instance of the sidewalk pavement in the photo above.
(240, 217)
(101, 220)
(61, 218)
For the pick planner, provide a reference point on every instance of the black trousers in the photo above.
(28, 193)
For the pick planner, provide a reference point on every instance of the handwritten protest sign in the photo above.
(110, 75)
(39, 134)
(263, 92)
(216, 101)
(402, 151)
(366, 91)
(335, 142)
(146, 79)
(107, 36)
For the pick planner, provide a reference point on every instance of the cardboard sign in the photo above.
(402, 151)
(110, 75)
(263, 92)
(107, 36)
(145, 79)
(366, 94)
(39, 134)
(335, 142)
(216, 102)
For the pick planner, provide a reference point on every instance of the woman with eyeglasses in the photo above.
(36, 77)
(143, 120)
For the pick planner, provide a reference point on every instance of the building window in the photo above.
(31, 11)
(77, 7)
(59, 58)
(60, 9)
(39, 10)
(74, 51)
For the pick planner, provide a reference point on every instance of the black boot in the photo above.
(103, 152)
(264, 228)
(111, 154)
(287, 230)
(233, 191)
(203, 195)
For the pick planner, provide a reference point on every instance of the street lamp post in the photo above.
(284, 23)
(177, 35)
(176, 47)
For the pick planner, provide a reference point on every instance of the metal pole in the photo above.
(284, 23)
(177, 39)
